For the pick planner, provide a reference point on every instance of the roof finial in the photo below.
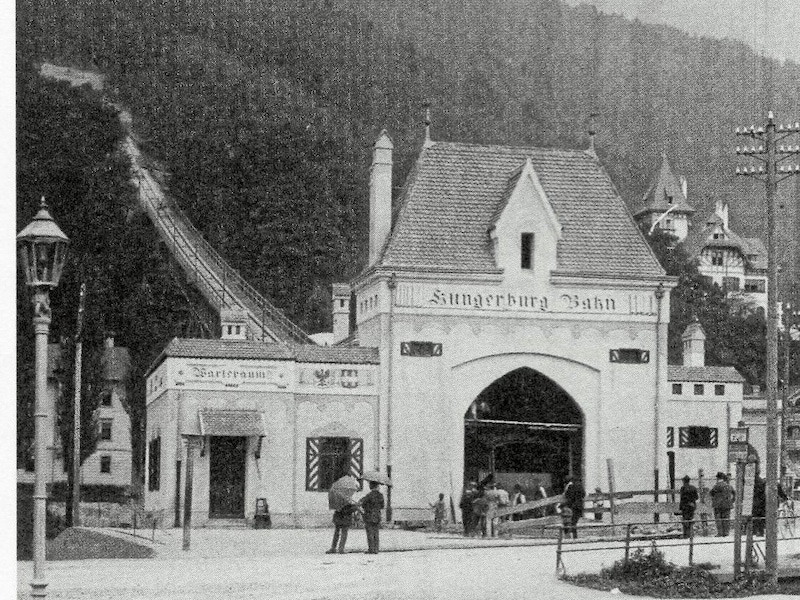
(42, 204)
(428, 141)
(592, 131)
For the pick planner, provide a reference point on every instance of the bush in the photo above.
(650, 574)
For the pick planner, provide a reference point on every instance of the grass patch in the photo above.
(650, 574)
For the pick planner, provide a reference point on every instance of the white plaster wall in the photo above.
(328, 416)
(162, 420)
(431, 395)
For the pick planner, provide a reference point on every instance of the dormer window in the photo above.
(526, 251)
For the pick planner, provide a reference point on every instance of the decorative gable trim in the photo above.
(526, 171)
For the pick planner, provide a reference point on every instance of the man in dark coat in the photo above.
(721, 501)
(574, 495)
(687, 505)
(342, 519)
(372, 504)
(759, 505)
(467, 515)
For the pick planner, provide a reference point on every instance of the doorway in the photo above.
(226, 477)
(524, 428)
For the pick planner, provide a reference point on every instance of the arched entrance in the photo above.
(523, 427)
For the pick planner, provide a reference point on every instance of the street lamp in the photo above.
(42, 249)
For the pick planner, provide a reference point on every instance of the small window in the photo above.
(230, 329)
(717, 258)
(238, 329)
(105, 429)
(154, 464)
(719, 236)
(105, 464)
(698, 389)
(730, 284)
(669, 199)
(342, 303)
(629, 355)
(329, 458)
(719, 389)
(698, 437)
(526, 251)
(758, 286)
(106, 399)
(677, 389)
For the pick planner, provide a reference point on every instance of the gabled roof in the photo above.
(665, 185)
(455, 190)
(256, 350)
(702, 237)
(704, 374)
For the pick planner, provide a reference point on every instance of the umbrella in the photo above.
(376, 477)
(341, 492)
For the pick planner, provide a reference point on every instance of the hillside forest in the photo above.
(263, 115)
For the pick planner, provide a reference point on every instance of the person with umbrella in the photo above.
(373, 504)
(340, 499)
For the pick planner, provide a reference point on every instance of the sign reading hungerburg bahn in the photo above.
(487, 298)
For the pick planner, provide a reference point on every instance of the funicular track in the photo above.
(220, 284)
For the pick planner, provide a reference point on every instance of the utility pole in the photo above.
(771, 173)
(76, 417)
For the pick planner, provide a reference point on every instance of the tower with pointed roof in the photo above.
(665, 205)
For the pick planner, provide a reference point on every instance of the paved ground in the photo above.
(291, 564)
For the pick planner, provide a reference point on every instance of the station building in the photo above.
(511, 320)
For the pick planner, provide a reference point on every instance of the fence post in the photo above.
(559, 562)
(748, 548)
(691, 543)
(627, 542)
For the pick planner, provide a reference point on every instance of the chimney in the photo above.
(341, 311)
(725, 215)
(109, 342)
(684, 188)
(380, 196)
(694, 345)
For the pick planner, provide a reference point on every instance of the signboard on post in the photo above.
(738, 443)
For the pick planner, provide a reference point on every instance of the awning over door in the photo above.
(231, 422)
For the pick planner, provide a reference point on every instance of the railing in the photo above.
(648, 534)
(220, 283)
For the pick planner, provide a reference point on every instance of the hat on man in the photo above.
(721, 475)
(686, 478)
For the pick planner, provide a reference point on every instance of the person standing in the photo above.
(597, 504)
(517, 499)
(721, 502)
(372, 504)
(539, 493)
(438, 513)
(574, 495)
(467, 514)
(480, 507)
(342, 519)
(687, 505)
(759, 512)
(503, 500)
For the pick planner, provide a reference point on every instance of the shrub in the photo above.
(650, 574)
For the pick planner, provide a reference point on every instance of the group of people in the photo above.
(370, 506)
(478, 502)
(723, 498)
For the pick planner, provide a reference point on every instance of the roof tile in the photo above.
(455, 190)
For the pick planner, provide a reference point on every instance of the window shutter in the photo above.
(312, 464)
(356, 457)
(670, 437)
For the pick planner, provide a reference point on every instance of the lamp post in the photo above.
(42, 249)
